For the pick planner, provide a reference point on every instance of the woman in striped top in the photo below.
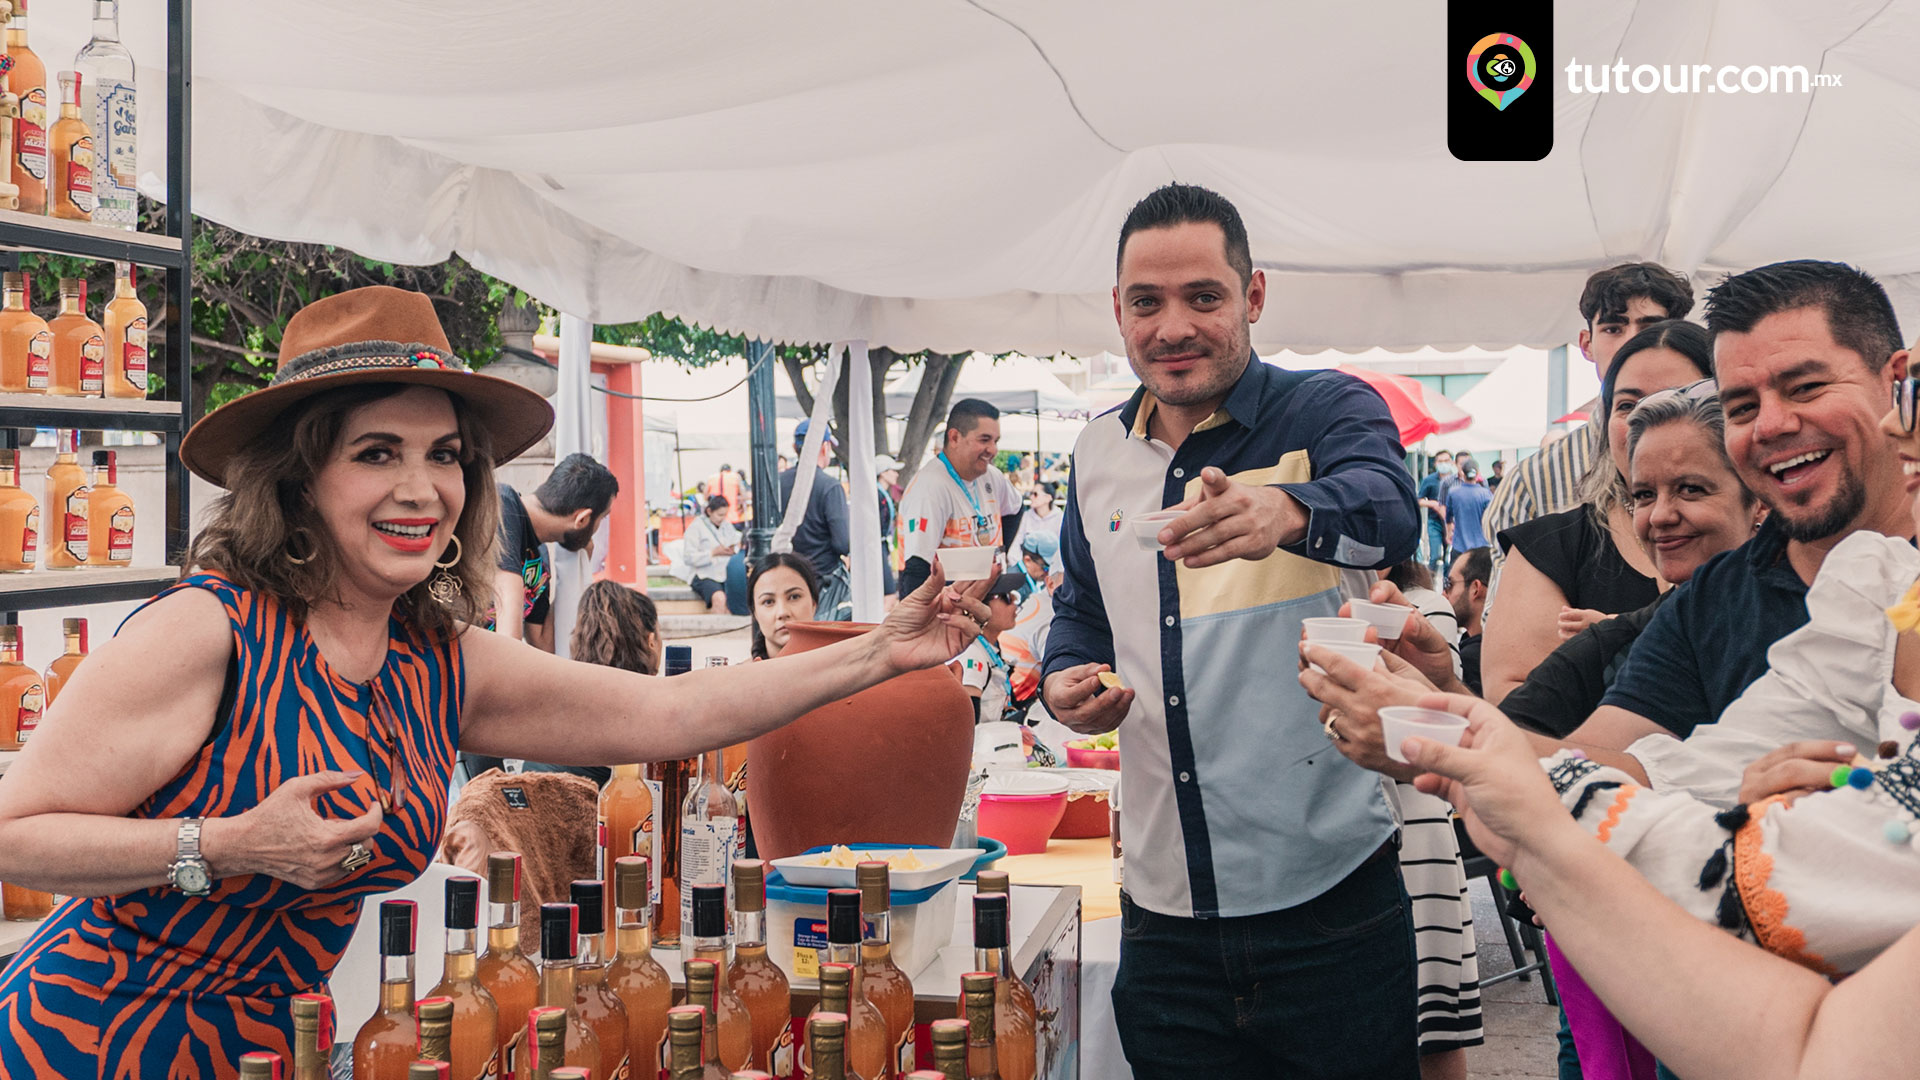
(269, 741)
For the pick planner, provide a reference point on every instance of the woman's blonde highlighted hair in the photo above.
(266, 536)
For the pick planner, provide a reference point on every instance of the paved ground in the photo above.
(1520, 1024)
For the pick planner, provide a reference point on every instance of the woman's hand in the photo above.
(1352, 696)
(1493, 777)
(284, 838)
(1573, 620)
(1419, 643)
(933, 624)
(1796, 769)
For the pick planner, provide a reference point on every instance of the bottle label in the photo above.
(665, 1055)
(780, 1054)
(120, 535)
(29, 711)
(625, 1070)
(809, 941)
(706, 855)
(643, 845)
(30, 133)
(115, 173)
(903, 1054)
(93, 365)
(492, 1070)
(40, 360)
(73, 533)
(133, 354)
(30, 537)
(509, 1052)
(79, 177)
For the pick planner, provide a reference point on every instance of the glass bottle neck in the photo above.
(709, 948)
(879, 931)
(556, 983)
(749, 930)
(503, 927)
(840, 953)
(74, 648)
(995, 960)
(70, 303)
(633, 934)
(123, 287)
(106, 20)
(16, 300)
(461, 961)
(8, 478)
(589, 951)
(396, 984)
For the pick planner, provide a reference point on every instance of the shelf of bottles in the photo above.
(67, 187)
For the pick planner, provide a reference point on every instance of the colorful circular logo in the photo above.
(1501, 68)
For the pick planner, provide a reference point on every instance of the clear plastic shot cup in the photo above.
(1398, 723)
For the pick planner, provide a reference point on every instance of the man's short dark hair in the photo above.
(1476, 565)
(1859, 315)
(967, 413)
(1609, 291)
(1181, 204)
(578, 483)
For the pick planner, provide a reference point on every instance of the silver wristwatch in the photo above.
(188, 871)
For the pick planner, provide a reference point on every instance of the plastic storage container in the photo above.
(1020, 809)
(921, 924)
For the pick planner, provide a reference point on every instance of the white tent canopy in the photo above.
(953, 174)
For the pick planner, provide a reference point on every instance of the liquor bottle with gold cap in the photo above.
(730, 1028)
(707, 933)
(827, 1047)
(667, 783)
(434, 1015)
(559, 943)
(643, 986)
(597, 1004)
(475, 1030)
(28, 80)
(867, 1038)
(869, 1051)
(504, 970)
(625, 812)
(125, 321)
(19, 518)
(545, 1035)
(387, 1041)
(430, 1070)
(26, 345)
(312, 1036)
(260, 1065)
(754, 978)
(976, 1008)
(1014, 1021)
(70, 152)
(880, 978)
(22, 694)
(9, 115)
(79, 345)
(687, 1036)
(949, 1038)
(61, 670)
(109, 514)
(66, 505)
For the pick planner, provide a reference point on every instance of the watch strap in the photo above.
(188, 844)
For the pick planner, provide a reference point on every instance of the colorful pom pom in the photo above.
(1889, 749)
(1840, 775)
(1910, 720)
(1860, 779)
(1507, 882)
(1577, 755)
(1896, 832)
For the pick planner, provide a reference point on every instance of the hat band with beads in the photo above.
(367, 356)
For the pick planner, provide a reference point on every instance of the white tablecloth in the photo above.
(1100, 1056)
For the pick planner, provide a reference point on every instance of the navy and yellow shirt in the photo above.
(1235, 802)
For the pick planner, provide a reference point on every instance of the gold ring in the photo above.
(357, 857)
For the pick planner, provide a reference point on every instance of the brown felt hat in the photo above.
(378, 334)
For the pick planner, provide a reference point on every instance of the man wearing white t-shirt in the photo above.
(958, 499)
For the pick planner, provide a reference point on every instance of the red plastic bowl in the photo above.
(1085, 817)
(1022, 822)
(1082, 758)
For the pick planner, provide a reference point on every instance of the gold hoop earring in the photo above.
(313, 548)
(458, 551)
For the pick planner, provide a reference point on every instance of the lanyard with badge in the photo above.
(999, 664)
(981, 523)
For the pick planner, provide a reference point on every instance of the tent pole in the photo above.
(766, 470)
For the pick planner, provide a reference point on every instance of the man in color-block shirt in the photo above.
(958, 499)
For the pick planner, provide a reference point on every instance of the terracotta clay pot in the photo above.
(885, 766)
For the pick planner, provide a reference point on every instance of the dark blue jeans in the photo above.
(1321, 991)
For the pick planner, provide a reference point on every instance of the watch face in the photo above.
(191, 879)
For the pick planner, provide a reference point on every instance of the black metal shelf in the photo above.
(38, 589)
(31, 232)
(89, 414)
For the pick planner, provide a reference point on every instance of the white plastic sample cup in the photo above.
(1398, 723)
(1332, 629)
(1387, 620)
(967, 563)
(1146, 528)
(1364, 653)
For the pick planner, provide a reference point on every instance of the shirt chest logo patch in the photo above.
(1113, 523)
